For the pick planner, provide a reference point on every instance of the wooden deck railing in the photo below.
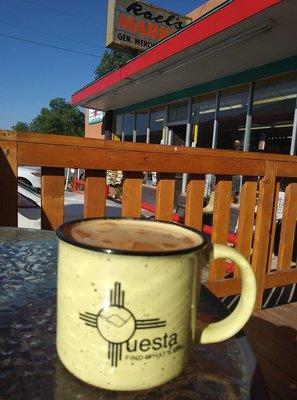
(261, 182)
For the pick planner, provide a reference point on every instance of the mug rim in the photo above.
(62, 236)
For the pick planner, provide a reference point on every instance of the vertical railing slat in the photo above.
(220, 222)
(165, 197)
(132, 194)
(273, 227)
(246, 218)
(194, 201)
(263, 228)
(95, 193)
(288, 228)
(52, 197)
(8, 184)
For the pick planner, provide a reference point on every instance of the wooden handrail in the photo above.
(261, 176)
(25, 137)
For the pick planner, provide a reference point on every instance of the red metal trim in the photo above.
(224, 18)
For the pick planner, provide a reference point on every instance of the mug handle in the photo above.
(228, 327)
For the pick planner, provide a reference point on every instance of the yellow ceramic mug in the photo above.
(126, 316)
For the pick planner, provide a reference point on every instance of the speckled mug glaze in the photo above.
(127, 321)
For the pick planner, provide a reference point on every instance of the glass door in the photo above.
(177, 134)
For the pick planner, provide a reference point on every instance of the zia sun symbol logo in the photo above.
(116, 324)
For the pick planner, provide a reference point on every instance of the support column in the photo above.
(187, 142)
(188, 134)
(248, 125)
(123, 128)
(134, 129)
(170, 137)
(216, 123)
(215, 131)
(148, 129)
(248, 122)
(293, 149)
(166, 138)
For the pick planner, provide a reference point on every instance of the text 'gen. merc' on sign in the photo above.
(135, 25)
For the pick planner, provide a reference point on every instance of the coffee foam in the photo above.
(133, 235)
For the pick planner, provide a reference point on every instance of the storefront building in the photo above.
(228, 80)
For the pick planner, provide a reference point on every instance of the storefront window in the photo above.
(203, 112)
(273, 114)
(118, 126)
(232, 118)
(178, 111)
(157, 124)
(141, 125)
(129, 120)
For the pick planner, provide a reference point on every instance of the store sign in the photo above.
(135, 25)
(95, 116)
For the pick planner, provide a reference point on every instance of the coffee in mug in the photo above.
(127, 300)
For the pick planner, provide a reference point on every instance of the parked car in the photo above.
(29, 206)
(30, 175)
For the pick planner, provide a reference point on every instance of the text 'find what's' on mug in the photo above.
(127, 300)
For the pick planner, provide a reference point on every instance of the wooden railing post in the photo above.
(273, 227)
(165, 197)
(246, 218)
(52, 197)
(288, 230)
(194, 201)
(132, 193)
(220, 222)
(95, 193)
(263, 228)
(8, 183)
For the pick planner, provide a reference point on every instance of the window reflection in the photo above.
(157, 124)
(232, 118)
(119, 126)
(203, 112)
(178, 111)
(129, 126)
(141, 125)
(273, 114)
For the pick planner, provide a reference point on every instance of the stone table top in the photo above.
(29, 365)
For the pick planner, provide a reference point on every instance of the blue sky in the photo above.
(31, 75)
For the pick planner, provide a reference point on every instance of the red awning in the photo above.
(241, 35)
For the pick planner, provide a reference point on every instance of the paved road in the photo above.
(29, 217)
(149, 196)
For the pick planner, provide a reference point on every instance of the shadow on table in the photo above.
(275, 346)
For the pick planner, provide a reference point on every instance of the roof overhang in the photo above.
(242, 35)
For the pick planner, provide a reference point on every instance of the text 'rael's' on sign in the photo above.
(135, 25)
